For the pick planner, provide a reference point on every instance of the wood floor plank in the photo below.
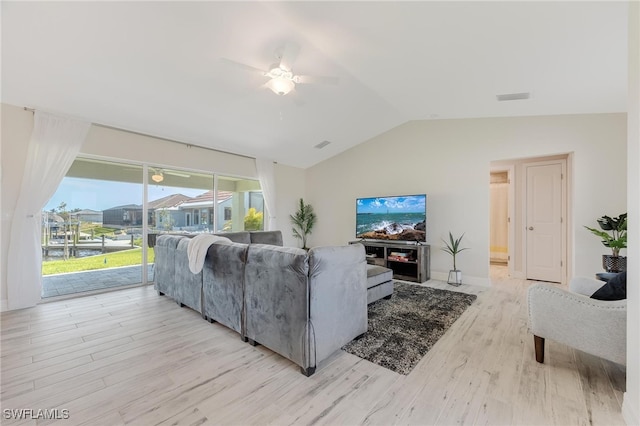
(133, 357)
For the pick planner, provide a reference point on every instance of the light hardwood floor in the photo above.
(133, 357)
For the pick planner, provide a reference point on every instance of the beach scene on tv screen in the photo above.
(392, 218)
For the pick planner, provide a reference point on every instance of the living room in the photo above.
(448, 158)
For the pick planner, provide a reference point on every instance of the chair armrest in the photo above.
(598, 327)
(585, 286)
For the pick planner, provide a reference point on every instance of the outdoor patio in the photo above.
(80, 282)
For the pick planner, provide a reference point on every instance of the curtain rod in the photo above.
(188, 145)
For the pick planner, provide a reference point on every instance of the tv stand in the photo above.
(408, 260)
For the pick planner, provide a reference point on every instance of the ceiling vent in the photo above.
(322, 144)
(513, 96)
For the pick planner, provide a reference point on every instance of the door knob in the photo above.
(531, 228)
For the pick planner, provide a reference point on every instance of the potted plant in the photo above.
(453, 248)
(613, 233)
(303, 221)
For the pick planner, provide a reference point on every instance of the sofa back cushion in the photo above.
(223, 284)
(164, 264)
(273, 238)
(188, 286)
(242, 237)
(276, 298)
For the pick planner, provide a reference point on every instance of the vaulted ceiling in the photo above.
(158, 67)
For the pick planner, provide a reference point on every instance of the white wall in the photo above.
(120, 145)
(631, 401)
(450, 161)
(290, 184)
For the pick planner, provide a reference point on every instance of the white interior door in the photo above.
(545, 222)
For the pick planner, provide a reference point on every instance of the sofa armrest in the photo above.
(338, 297)
(585, 286)
(594, 326)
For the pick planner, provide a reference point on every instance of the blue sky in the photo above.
(408, 204)
(100, 195)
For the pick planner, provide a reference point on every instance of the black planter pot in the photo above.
(614, 264)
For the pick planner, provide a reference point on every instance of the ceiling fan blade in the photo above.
(289, 54)
(243, 66)
(184, 175)
(316, 79)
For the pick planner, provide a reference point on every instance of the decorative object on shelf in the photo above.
(303, 221)
(453, 248)
(613, 233)
(408, 262)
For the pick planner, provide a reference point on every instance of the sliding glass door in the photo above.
(92, 229)
(97, 227)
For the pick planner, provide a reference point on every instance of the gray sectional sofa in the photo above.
(302, 305)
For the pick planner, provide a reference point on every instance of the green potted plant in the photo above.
(453, 248)
(303, 221)
(613, 232)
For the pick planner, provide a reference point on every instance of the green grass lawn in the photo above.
(121, 258)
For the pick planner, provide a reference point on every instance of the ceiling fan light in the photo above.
(280, 85)
(157, 177)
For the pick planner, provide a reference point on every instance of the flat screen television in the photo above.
(400, 218)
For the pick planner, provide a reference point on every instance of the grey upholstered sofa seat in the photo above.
(598, 327)
(174, 279)
(305, 306)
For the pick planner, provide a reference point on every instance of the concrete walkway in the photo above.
(79, 282)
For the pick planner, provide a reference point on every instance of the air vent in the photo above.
(513, 96)
(322, 144)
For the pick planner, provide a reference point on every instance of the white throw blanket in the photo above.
(198, 247)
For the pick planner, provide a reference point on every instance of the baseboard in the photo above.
(4, 305)
(466, 279)
(629, 413)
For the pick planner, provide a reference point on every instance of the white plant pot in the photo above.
(455, 277)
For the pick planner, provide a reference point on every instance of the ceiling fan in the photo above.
(282, 79)
(158, 174)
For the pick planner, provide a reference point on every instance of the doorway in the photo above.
(501, 232)
(535, 194)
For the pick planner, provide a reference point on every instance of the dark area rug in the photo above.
(404, 328)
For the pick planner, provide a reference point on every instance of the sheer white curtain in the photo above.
(54, 144)
(266, 175)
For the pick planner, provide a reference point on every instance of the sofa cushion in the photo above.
(277, 300)
(273, 238)
(242, 237)
(614, 289)
(378, 275)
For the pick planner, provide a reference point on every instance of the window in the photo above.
(240, 205)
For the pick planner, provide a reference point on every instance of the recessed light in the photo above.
(513, 96)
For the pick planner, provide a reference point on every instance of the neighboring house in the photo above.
(197, 212)
(127, 215)
(164, 213)
(87, 215)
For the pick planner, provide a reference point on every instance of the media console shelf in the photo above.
(409, 262)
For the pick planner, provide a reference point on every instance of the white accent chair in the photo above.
(571, 317)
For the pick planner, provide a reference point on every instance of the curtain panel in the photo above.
(266, 175)
(55, 142)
